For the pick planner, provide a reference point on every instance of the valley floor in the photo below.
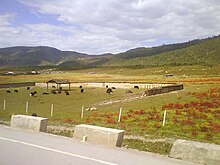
(192, 113)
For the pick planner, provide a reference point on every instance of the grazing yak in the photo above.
(8, 91)
(28, 88)
(109, 91)
(67, 93)
(136, 87)
(53, 92)
(80, 86)
(81, 90)
(34, 114)
(33, 93)
(45, 93)
(128, 91)
(16, 91)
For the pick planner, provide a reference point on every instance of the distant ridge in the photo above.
(203, 51)
(34, 56)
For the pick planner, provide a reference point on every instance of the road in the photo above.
(32, 148)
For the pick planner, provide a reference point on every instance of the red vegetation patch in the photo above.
(204, 129)
(215, 127)
(157, 125)
(138, 112)
(68, 120)
(111, 121)
(194, 133)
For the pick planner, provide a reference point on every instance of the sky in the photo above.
(106, 26)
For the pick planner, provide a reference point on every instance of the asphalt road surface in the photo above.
(19, 147)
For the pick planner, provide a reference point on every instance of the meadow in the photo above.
(193, 113)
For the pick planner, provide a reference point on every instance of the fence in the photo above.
(152, 89)
(15, 85)
(120, 85)
(163, 89)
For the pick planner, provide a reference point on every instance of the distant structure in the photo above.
(58, 83)
(168, 75)
(9, 73)
(34, 72)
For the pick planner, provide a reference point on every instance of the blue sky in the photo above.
(102, 26)
(23, 14)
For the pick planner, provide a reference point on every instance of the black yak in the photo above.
(109, 91)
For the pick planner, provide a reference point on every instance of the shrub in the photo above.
(178, 106)
(209, 136)
(177, 112)
(215, 127)
(139, 112)
(194, 133)
(111, 121)
(157, 125)
(95, 114)
(68, 120)
(204, 129)
(124, 117)
(203, 116)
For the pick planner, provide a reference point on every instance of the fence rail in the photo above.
(15, 85)
(163, 89)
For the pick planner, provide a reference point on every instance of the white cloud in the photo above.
(98, 26)
(5, 19)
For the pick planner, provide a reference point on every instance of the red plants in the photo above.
(178, 106)
(187, 122)
(208, 104)
(68, 120)
(211, 93)
(215, 127)
(111, 121)
(157, 125)
(194, 133)
(138, 112)
(178, 112)
(196, 119)
(95, 114)
(204, 129)
(175, 120)
(124, 117)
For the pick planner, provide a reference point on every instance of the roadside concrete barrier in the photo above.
(29, 122)
(204, 153)
(99, 135)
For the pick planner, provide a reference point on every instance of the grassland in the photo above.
(196, 73)
(192, 113)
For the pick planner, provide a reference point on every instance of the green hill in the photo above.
(206, 52)
(36, 56)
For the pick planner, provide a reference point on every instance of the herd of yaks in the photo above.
(34, 93)
(28, 88)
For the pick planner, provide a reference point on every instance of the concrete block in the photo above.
(29, 122)
(99, 135)
(205, 153)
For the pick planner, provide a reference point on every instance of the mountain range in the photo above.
(200, 51)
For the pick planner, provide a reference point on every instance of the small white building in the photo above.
(9, 73)
(34, 72)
